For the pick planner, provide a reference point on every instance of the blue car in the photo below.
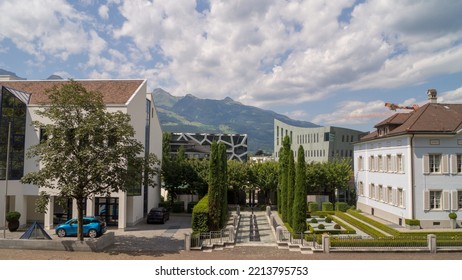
(92, 227)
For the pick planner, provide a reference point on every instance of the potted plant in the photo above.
(452, 219)
(12, 218)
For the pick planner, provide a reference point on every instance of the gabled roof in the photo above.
(432, 118)
(113, 91)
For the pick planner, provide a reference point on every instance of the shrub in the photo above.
(314, 221)
(312, 207)
(13, 216)
(328, 220)
(341, 206)
(191, 206)
(327, 206)
(321, 226)
(337, 226)
(322, 216)
(178, 207)
(452, 215)
(412, 222)
(200, 215)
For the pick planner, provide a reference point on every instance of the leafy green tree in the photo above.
(198, 183)
(300, 205)
(238, 178)
(89, 152)
(290, 187)
(266, 178)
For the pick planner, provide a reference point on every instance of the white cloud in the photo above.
(103, 12)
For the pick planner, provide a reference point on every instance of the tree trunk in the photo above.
(80, 218)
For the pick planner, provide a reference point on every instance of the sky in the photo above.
(328, 62)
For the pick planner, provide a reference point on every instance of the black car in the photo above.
(158, 215)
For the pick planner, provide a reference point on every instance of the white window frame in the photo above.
(381, 193)
(390, 195)
(389, 164)
(379, 163)
(400, 197)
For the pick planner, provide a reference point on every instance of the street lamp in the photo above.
(6, 177)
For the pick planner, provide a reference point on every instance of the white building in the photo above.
(24, 98)
(321, 144)
(410, 167)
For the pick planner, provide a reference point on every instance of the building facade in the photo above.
(19, 101)
(410, 167)
(321, 144)
(197, 145)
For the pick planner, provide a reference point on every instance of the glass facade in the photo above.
(13, 109)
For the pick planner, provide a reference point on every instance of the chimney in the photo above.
(431, 93)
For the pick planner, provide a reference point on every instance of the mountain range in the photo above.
(195, 115)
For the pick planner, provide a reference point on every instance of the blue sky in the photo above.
(328, 62)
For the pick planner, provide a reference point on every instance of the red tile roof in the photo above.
(113, 91)
(432, 118)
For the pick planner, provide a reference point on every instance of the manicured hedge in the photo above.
(360, 225)
(348, 229)
(313, 207)
(327, 206)
(200, 215)
(341, 206)
(380, 242)
(412, 222)
(374, 223)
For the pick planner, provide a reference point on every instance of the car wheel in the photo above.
(61, 232)
(92, 233)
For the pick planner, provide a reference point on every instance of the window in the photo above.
(372, 191)
(459, 199)
(361, 188)
(459, 164)
(360, 163)
(389, 169)
(389, 195)
(435, 199)
(380, 163)
(399, 163)
(434, 163)
(400, 197)
(380, 192)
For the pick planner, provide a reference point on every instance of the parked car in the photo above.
(92, 227)
(159, 215)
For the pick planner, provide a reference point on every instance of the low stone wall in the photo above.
(61, 244)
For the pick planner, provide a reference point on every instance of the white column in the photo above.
(91, 206)
(122, 211)
(48, 216)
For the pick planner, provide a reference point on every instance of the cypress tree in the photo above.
(214, 192)
(280, 180)
(223, 174)
(300, 205)
(285, 175)
(290, 187)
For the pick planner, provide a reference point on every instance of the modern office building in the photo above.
(197, 145)
(321, 144)
(19, 101)
(410, 167)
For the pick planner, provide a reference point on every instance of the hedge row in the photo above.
(348, 229)
(200, 216)
(381, 242)
(341, 206)
(360, 225)
(327, 206)
(374, 223)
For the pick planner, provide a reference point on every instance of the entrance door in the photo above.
(107, 209)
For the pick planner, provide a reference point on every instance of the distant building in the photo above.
(321, 144)
(410, 167)
(197, 145)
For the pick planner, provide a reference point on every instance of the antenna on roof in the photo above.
(394, 107)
